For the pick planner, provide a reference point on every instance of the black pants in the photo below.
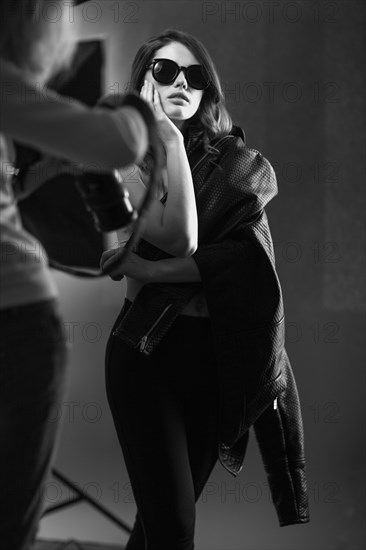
(165, 410)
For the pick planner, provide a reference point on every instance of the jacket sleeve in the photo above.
(246, 311)
(239, 279)
(280, 436)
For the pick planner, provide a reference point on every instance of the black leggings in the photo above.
(165, 410)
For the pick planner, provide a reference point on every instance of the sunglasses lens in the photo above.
(165, 71)
(197, 77)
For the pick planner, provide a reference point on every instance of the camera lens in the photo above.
(106, 199)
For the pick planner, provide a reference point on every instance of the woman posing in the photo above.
(196, 356)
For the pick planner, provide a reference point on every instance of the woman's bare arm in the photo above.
(171, 270)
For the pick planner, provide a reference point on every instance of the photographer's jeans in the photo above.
(33, 358)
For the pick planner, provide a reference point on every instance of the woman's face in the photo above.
(178, 109)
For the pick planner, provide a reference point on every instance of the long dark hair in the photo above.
(212, 117)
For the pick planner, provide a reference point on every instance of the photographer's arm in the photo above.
(99, 138)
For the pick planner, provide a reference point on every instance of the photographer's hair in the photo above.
(212, 116)
(37, 36)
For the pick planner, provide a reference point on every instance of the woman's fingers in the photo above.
(144, 92)
(150, 93)
(110, 265)
(107, 254)
(109, 257)
(115, 274)
(147, 91)
(158, 106)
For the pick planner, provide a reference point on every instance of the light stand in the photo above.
(81, 497)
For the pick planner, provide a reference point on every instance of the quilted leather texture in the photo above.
(236, 261)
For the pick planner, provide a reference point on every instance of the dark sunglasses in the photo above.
(166, 71)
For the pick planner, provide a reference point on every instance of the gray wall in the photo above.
(294, 77)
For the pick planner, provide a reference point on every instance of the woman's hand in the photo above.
(116, 265)
(169, 133)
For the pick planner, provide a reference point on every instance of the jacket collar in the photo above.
(193, 134)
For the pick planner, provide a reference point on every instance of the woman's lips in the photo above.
(182, 100)
(178, 100)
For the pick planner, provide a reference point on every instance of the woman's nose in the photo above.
(181, 80)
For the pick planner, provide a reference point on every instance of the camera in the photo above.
(106, 199)
(103, 193)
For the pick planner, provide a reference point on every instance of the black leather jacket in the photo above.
(236, 261)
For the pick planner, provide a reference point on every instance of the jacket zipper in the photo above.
(142, 343)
